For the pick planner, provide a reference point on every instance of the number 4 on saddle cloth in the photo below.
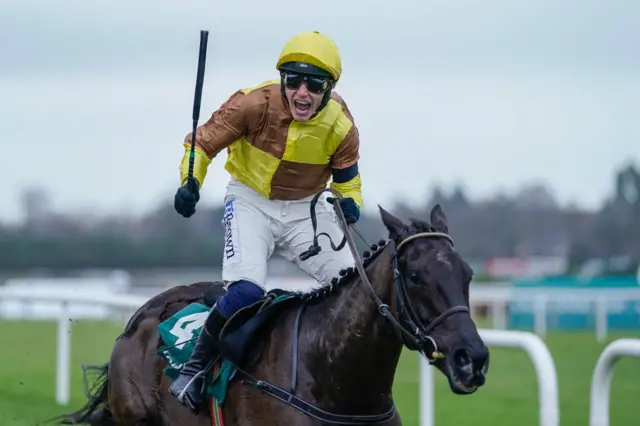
(180, 332)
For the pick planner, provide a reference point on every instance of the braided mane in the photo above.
(345, 276)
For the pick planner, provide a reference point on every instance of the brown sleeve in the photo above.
(225, 126)
(348, 151)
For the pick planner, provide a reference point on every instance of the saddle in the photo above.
(238, 338)
(239, 335)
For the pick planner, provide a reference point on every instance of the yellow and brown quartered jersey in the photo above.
(271, 152)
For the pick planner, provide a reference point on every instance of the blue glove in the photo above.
(349, 207)
(187, 197)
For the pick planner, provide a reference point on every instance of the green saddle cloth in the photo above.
(179, 334)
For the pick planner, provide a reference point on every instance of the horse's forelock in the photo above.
(416, 226)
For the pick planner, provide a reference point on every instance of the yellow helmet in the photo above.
(315, 49)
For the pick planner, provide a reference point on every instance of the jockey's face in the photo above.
(304, 96)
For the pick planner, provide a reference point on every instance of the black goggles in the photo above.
(315, 84)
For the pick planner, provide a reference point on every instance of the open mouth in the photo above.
(302, 106)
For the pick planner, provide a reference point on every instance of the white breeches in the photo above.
(255, 228)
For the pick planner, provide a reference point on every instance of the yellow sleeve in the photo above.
(351, 188)
(200, 164)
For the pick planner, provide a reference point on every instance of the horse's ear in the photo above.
(439, 220)
(396, 228)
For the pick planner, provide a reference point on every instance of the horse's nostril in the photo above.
(476, 359)
(463, 361)
(481, 360)
(461, 357)
(485, 367)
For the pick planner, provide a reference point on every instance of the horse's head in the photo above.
(431, 299)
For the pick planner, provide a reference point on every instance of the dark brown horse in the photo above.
(335, 349)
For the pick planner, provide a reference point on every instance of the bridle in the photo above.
(414, 334)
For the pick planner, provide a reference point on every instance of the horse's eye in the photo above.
(413, 276)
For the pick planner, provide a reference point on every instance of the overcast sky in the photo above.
(96, 97)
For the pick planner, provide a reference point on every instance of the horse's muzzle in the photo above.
(467, 367)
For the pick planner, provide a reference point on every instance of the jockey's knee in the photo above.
(328, 267)
(239, 294)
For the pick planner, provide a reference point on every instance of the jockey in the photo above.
(285, 138)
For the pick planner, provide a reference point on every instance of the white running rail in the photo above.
(532, 344)
(602, 375)
(63, 349)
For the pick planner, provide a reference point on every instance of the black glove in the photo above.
(349, 208)
(187, 197)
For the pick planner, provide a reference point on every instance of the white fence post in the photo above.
(602, 374)
(65, 299)
(542, 362)
(540, 315)
(601, 318)
(427, 394)
(63, 356)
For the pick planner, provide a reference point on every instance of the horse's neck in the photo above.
(355, 341)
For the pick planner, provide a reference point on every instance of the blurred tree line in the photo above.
(528, 223)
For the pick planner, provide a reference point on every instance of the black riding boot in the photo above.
(203, 352)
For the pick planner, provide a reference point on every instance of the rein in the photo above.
(411, 330)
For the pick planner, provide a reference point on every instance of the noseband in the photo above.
(411, 330)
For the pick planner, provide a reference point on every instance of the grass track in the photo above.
(27, 374)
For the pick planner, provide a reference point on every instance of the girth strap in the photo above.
(324, 416)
